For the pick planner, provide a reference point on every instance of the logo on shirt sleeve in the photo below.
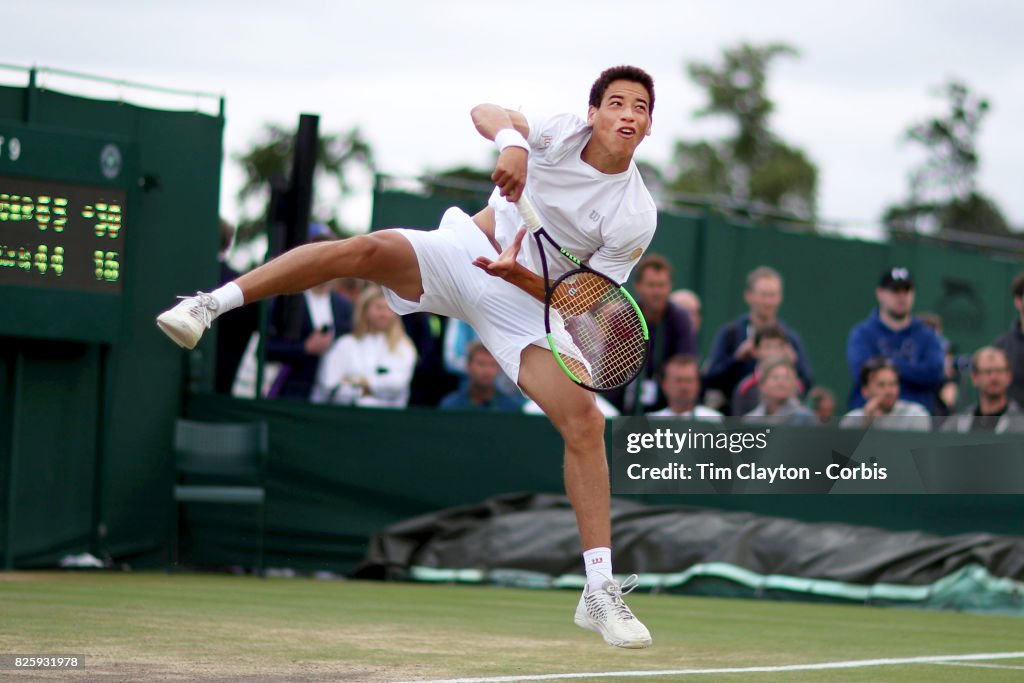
(635, 254)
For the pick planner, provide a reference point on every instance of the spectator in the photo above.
(879, 383)
(732, 351)
(236, 326)
(301, 328)
(350, 288)
(948, 393)
(891, 331)
(430, 381)
(823, 403)
(1012, 341)
(995, 411)
(480, 391)
(689, 302)
(768, 341)
(779, 404)
(670, 334)
(372, 366)
(457, 339)
(680, 382)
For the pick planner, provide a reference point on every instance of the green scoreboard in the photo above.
(65, 217)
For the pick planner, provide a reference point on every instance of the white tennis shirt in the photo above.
(607, 220)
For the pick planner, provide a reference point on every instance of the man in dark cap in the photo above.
(892, 331)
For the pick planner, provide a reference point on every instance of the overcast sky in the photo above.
(408, 72)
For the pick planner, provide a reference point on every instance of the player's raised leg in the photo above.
(384, 257)
(575, 415)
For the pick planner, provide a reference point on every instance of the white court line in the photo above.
(853, 664)
(981, 666)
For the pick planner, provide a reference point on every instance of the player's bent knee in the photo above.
(584, 425)
(378, 256)
(357, 256)
(385, 258)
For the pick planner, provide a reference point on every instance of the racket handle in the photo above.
(528, 214)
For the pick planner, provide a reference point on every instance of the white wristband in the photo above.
(510, 137)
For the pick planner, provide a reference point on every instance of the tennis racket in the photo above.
(594, 327)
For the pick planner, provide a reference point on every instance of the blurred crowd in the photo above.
(340, 343)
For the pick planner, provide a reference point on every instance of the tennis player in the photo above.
(582, 180)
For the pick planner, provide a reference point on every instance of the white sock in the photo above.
(598, 563)
(228, 297)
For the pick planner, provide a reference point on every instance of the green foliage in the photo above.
(269, 159)
(700, 169)
(976, 213)
(943, 194)
(951, 143)
(787, 179)
(752, 168)
(736, 89)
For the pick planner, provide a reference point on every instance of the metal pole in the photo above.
(31, 97)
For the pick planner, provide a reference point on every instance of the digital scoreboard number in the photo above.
(56, 235)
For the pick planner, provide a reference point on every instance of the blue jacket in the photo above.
(460, 400)
(724, 372)
(916, 350)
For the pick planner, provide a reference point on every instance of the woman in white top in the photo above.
(373, 365)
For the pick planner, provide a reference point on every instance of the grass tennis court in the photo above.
(155, 626)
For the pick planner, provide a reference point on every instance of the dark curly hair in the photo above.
(622, 73)
(1017, 288)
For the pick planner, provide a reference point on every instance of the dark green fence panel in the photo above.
(970, 291)
(86, 424)
(679, 240)
(178, 250)
(828, 287)
(55, 445)
(337, 475)
(393, 209)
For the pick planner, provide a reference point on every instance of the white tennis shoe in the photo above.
(186, 322)
(604, 611)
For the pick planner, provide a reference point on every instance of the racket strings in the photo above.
(605, 328)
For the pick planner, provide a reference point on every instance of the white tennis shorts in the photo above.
(506, 318)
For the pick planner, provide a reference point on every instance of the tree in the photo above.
(944, 196)
(339, 157)
(753, 168)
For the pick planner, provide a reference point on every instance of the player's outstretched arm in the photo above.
(490, 118)
(508, 129)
